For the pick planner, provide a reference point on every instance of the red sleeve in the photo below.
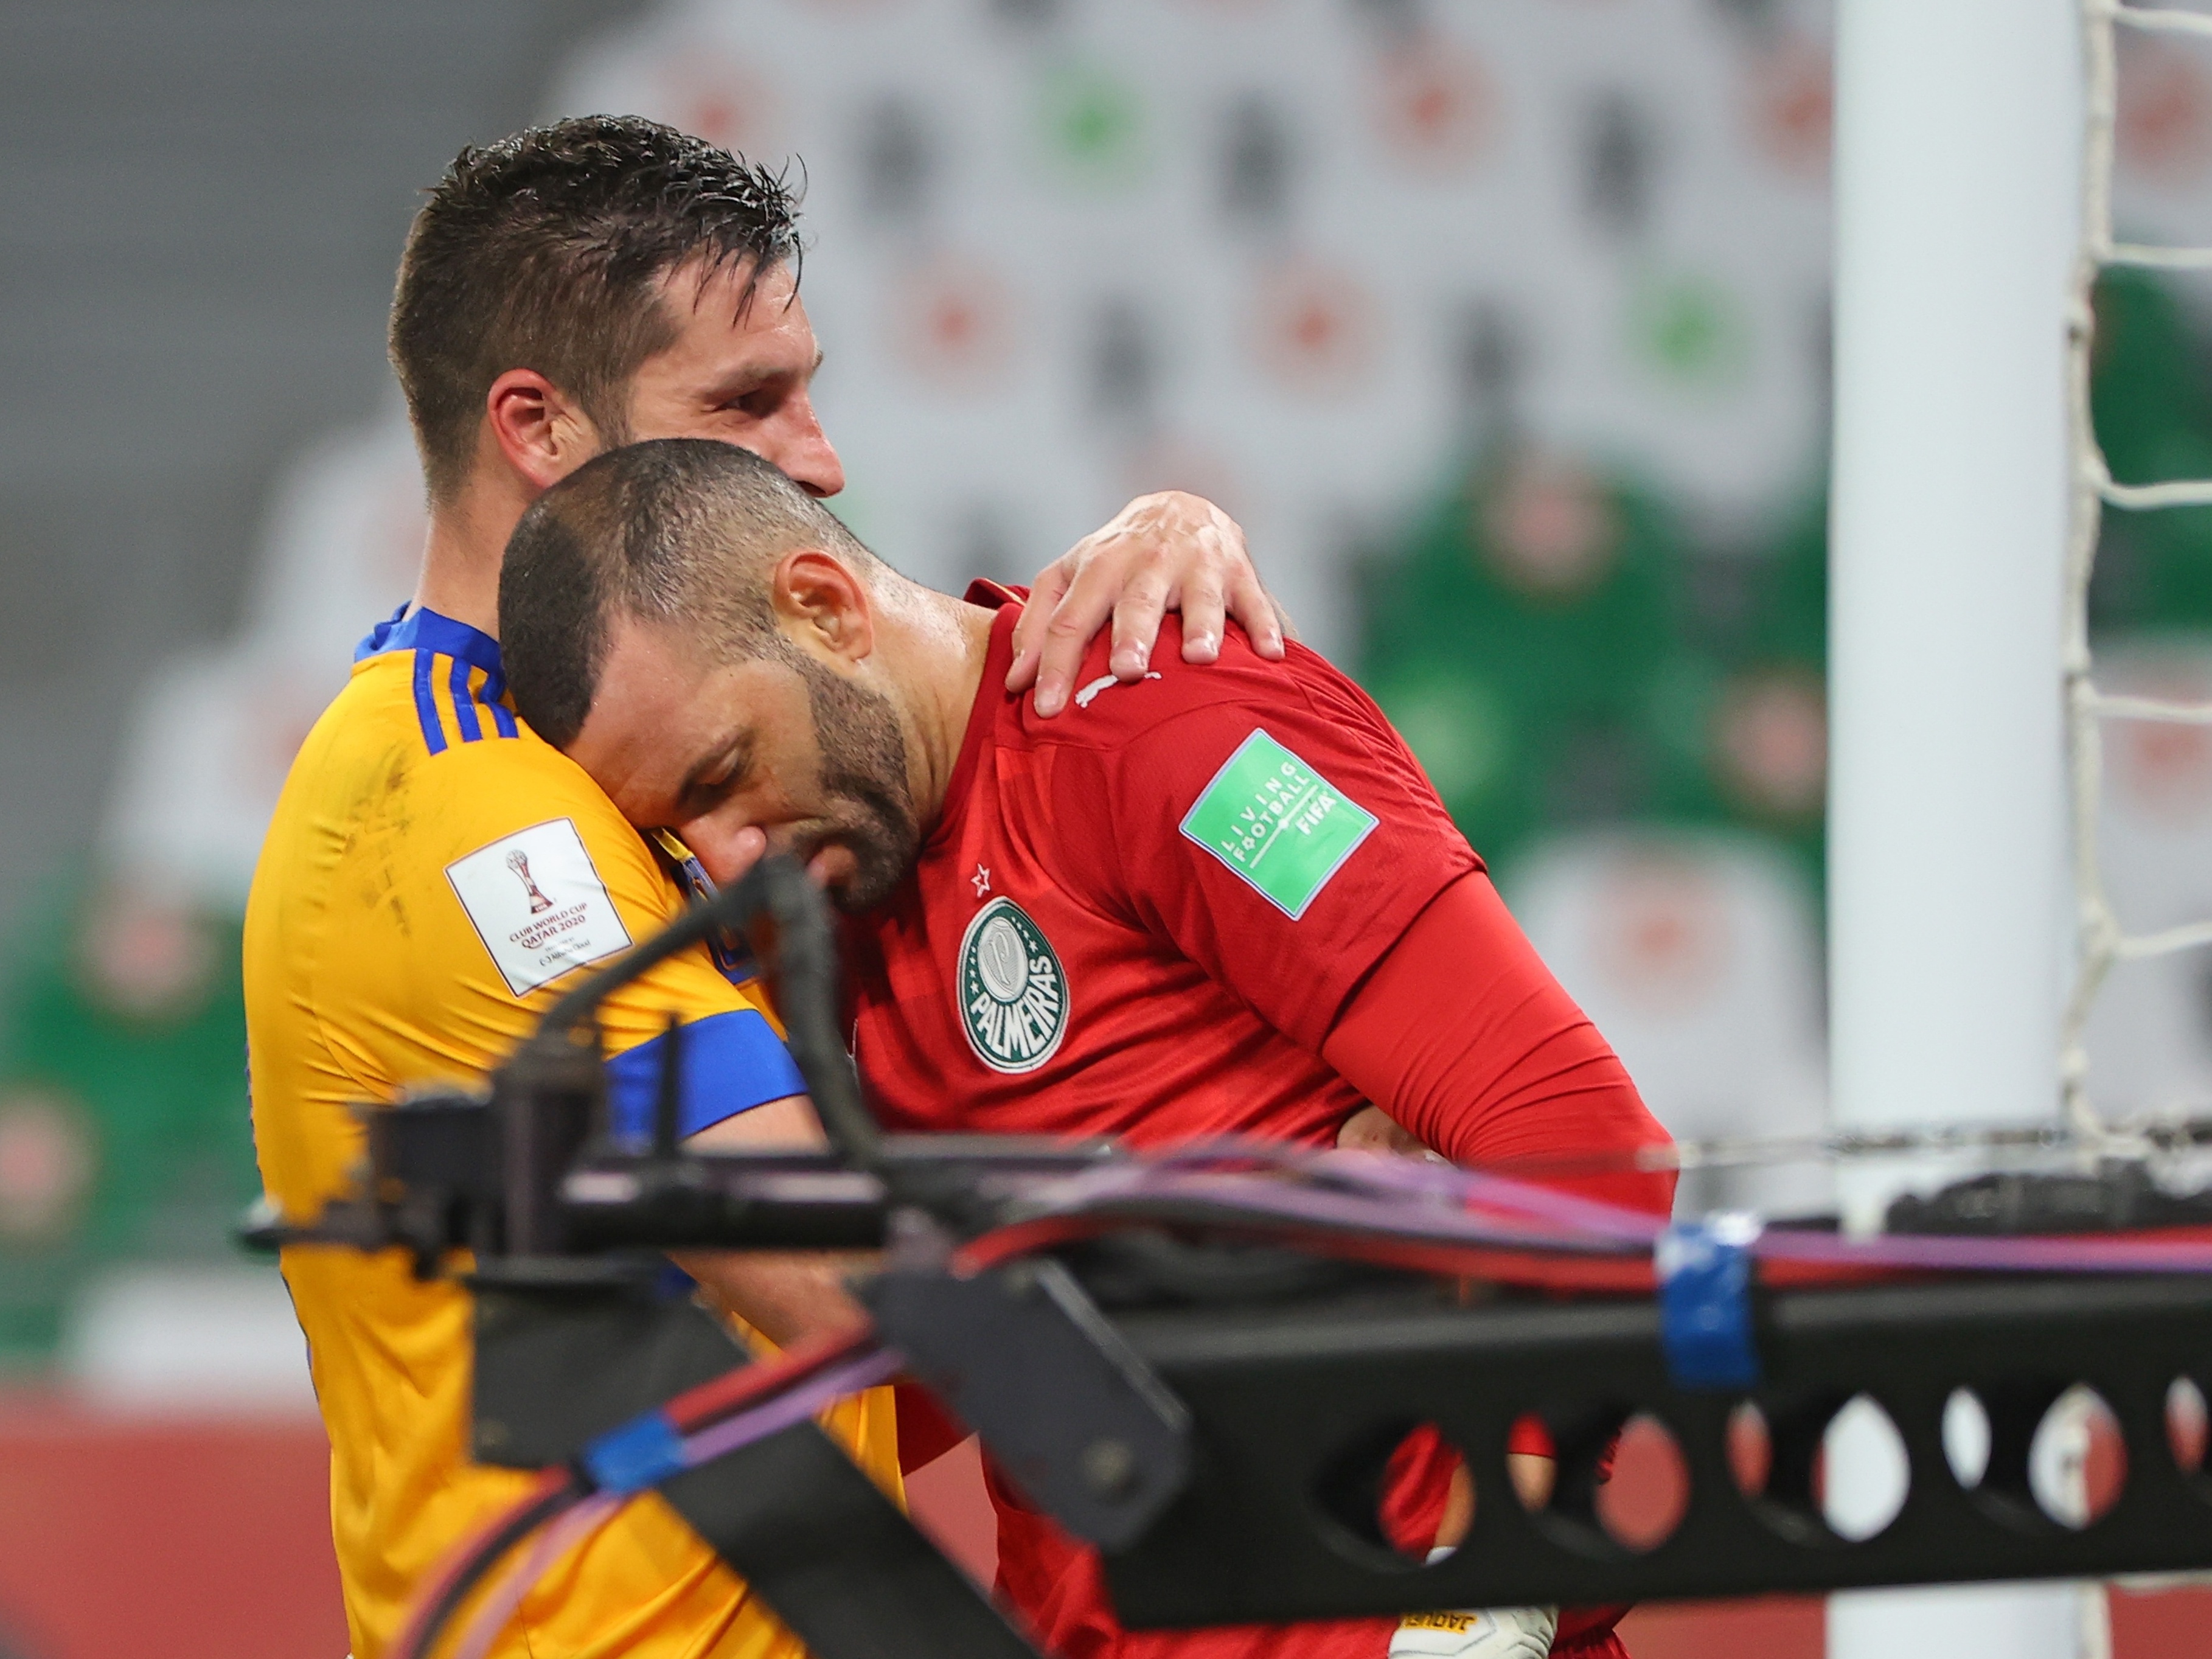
(1462, 1036)
(1587, 1634)
(1281, 836)
(925, 1430)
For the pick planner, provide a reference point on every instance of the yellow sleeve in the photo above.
(524, 874)
(458, 896)
(415, 910)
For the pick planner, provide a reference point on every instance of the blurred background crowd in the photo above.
(1501, 326)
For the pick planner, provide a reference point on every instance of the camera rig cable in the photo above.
(976, 1297)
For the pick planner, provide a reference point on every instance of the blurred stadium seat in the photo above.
(1698, 955)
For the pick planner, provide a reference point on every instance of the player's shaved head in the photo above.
(654, 581)
(685, 532)
(547, 251)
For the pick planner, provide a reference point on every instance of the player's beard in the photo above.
(867, 799)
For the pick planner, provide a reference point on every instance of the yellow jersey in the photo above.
(433, 876)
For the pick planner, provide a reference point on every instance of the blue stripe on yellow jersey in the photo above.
(460, 688)
(434, 875)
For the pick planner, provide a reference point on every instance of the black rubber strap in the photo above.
(837, 1560)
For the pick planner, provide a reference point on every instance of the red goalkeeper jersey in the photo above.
(1143, 918)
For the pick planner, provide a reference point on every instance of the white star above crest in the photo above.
(981, 879)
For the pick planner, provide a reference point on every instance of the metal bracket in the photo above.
(557, 1367)
(1278, 1395)
(838, 1562)
(1077, 1421)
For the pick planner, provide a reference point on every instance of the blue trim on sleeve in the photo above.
(733, 1062)
(425, 703)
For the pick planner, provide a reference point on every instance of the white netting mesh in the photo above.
(2103, 942)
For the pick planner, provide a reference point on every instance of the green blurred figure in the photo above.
(123, 1128)
(2154, 418)
(1558, 656)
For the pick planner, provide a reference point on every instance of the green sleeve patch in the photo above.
(1277, 823)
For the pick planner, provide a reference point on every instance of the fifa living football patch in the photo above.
(536, 900)
(1277, 823)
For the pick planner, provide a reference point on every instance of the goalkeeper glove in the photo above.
(1483, 1633)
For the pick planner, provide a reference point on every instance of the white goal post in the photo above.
(1958, 147)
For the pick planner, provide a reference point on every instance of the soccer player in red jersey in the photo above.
(1206, 902)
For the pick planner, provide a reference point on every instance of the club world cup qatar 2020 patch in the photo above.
(1277, 823)
(536, 900)
(1013, 990)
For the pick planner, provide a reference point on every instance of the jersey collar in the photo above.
(427, 630)
(994, 596)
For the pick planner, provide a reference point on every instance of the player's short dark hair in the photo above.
(542, 252)
(684, 530)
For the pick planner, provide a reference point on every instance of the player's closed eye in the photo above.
(714, 783)
(762, 401)
(706, 793)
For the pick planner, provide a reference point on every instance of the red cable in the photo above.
(1505, 1265)
(696, 1408)
(1526, 1268)
(457, 1575)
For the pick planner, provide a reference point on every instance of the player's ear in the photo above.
(823, 607)
(538, 429)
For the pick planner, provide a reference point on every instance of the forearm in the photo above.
(1463, 1037)
(783, 1295)
(1532, 1473)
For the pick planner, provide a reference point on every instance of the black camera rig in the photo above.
(1212, 1402)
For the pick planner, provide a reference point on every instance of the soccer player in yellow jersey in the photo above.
(435, 873)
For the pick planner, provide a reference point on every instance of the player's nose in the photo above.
(809, 459)
(725, 850)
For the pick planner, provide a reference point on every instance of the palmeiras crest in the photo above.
(1013, 994)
